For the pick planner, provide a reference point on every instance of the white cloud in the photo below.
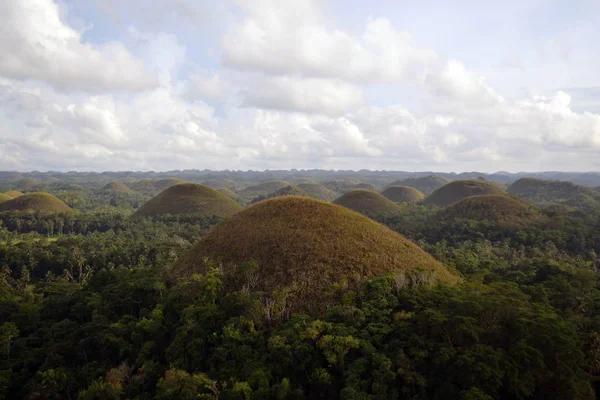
(37, 45)
(310, 95)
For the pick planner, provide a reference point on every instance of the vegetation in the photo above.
(403, 194)
(427, 184)
(305, 254)
(544, 192)
(289, 190)
(341, 185)
(4, 197)
(499, 209)
(366, 186)
(13, 193)
(189, 198)
(40, 202)
(369, 203)
(457, 190)
(264, 188)
(318, 191)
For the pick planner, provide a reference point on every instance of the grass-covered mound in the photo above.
(457, 190)
(13, 193)
(499, 209)
(219, 183)
(4, 197)
(163, 184)
(369, 203)
(543, 191)
(40, 202)
(29, 184)
(189, 198)
(264, 188)
(318, 191)
(229, 193)
(366, 186)
(289, 190)
(341, 185)
(307, 252)
(301, 179)
(426, 184)
(403, 194)
(116, 187)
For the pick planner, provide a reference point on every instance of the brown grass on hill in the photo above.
(229, 193)
(426, 184)
(371, 204)
(13, 193)
(318, 191)
(42, 202)
(457, 190)
(4, 197)
(189, 198)
(403, 194)
(264, 188)
(116, 187)
(304, 249)
(496, 208)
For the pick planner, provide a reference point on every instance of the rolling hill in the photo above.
(189, 198)
(40, 202)
(304, 248)
(545, 191)
(264, 188)
(366, 202)
(457, 190)
(116, 187)
(427, 184)
(318, 191)
(4, 197)
(13, 193)
(403, 194)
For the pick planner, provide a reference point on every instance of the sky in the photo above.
(108, 85)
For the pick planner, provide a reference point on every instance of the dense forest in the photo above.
(90, 309)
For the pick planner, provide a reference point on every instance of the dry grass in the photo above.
(318, 191)
(4, 197)
(426, 184)
(496, 208)
(457, 190)
(403, 194)
(117, 187)
(41, 202)
(304, 248)
(13, 193)
(189, 198)
(371, 204)
(229, 193)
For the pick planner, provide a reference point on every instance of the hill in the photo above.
(304, 248)
(341, 185)
(318, 191)
(457, 190)
(427, 184)
(290, 190)
(369, 203)
(166, 183)
(116, 187)
(189, 198)
(229, 193)
(544, 191)
(366, 186)
(42, 202)
(500, 209)
(13, 193)
(4, 197)
(403, 194)
(219, 183)
(264, 188)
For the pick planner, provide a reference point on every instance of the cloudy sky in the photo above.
(277, 84)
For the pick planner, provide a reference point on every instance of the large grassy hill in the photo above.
(307, 251)
(13, 193)
(403, 194)
(4, 197)
(318, 191)
(371, 204)
(499, 209)
(544, 192)
(189, 198)
(116, 187)
(41, 202)
(426, 184)
(457, 190)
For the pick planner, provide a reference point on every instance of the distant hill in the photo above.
(427, 184)
(40, 202)
(341, 185)
(116, 187)
(303, 248)
(366, 202)
(318, 191)
(457, 190)
(289, 190)
(366, 186)
(229, 193)
(189, 198)
(4, 197)
(544, 191)
(220, 183)
(264, 188)
(500, 209)
(13, 193)
(403, 194)
(163, 184)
